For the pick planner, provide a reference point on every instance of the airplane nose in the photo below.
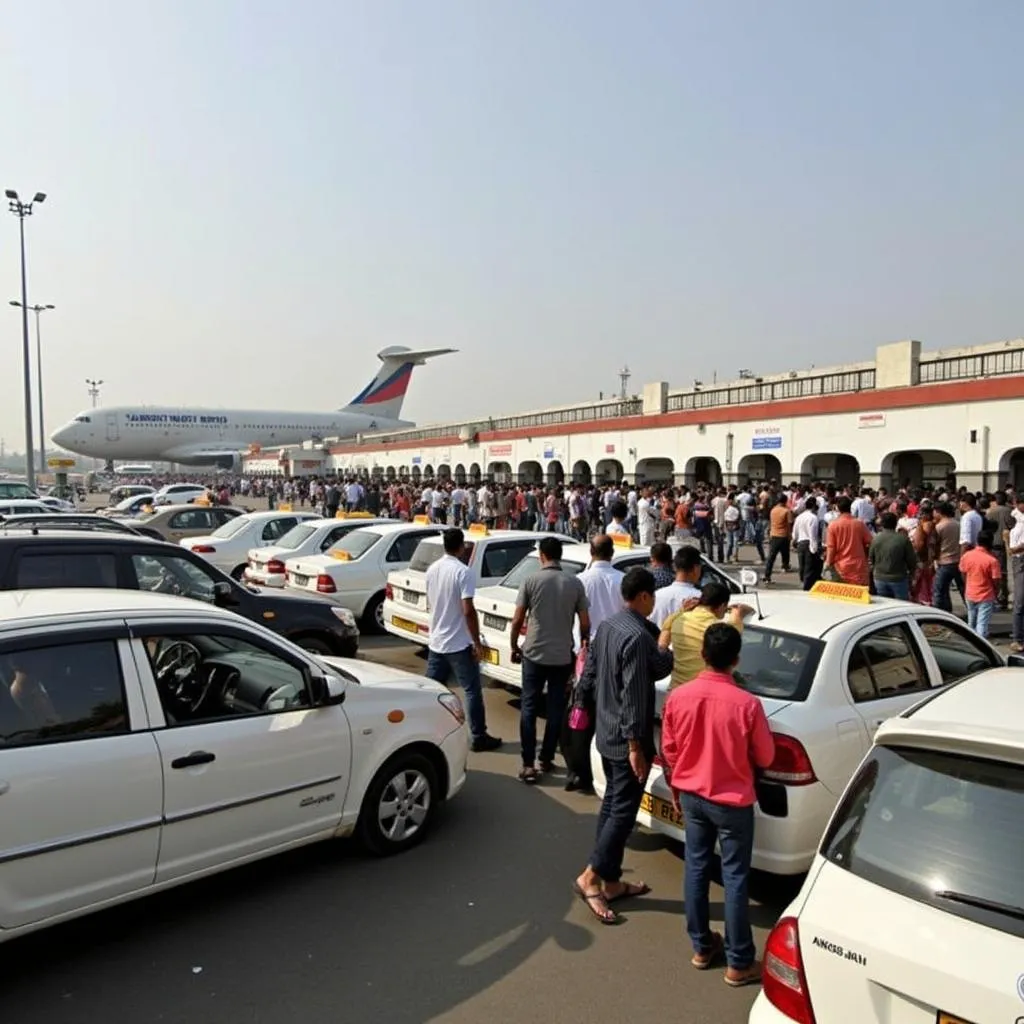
(61, 437)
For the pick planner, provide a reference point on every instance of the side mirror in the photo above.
(1015, 660)
(328, 691)
(223, 593)
(749, 579)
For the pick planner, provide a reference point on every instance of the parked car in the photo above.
(179, 494)
(181, 522)
(22, 506)
(147, 740)
(74, 521)
(228, 546)
(123, 491)
(130, 506)
(75, 559)
(55, 504)
(914, 906)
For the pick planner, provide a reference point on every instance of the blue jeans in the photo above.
(979, 615)
(731, 544)
(616, 819)
(900, 590)
(945, 577)
(535, 677)
(462, 664)
(733, 827)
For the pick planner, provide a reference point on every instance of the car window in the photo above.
(531, 564)
(64, 692)
(231, 527)
(332, 537)
(501, 557)
(957, 651)
(277, 528)
(172, 574)
(202, 677)
(710, 574)
(222, 515)
(885, 663)
(923, 824)
(404, 546)
(68, 569)
(625, 564)
(776, 664)
(356, 543)
(427, 553)
(192, 519)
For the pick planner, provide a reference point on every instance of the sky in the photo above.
(247, 200)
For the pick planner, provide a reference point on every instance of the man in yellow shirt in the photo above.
(684, 631)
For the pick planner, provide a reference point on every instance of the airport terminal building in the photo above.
(907, 417)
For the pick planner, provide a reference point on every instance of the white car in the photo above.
(55, 504)
(828, 673)
(229, 545)
(914, 907)
(354, 573)
(23, 506)
(129, 507)
(496, 605)
(265, 566)
(148, 740)
(490, 554)
(179, 494)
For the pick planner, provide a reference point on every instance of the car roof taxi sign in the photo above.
(851, 592)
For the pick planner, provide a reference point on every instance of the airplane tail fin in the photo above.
(382, 398)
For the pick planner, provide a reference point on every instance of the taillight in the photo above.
(792, 766)
(203, 549)
(782, 977)
(325, 585)
(389, 592)
(275, 565)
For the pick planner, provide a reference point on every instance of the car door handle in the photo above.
(191, 760)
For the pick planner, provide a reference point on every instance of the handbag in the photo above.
(579, 719)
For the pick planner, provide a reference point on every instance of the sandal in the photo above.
(702, 961)
(528, 775)
(597, 904)
(629, 891)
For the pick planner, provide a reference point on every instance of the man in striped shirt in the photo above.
(622, 667)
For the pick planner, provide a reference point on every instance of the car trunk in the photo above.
(409, 589)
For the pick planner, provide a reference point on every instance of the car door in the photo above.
(274, 529)
(192, 522)
(249, 765)
(885, 673)
(81, 785)
(954, 650)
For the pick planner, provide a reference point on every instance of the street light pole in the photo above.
(22, 210)
(94, 390)
(37, 309)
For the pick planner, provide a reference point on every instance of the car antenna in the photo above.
(748, 577)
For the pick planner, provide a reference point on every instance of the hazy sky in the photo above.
(248, 199)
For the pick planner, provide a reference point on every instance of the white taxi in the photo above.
(829, 668)
(354, 572)
(496, 605)
(914, 906)
(229, 545)
(266, 565)
(147, 740)
(490, 554)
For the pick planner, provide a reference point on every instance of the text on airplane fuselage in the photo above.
(169, 417)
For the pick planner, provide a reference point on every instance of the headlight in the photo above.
(344, 614)
(453, 705)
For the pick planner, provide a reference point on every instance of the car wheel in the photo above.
(399, 806)
(373, 617)
(238, 572)
(314, 645)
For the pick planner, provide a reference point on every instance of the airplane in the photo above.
(219, 437)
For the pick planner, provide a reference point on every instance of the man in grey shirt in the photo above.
(549, 601)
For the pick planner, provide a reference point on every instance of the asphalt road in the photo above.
(478, 923)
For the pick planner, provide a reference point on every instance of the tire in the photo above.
(380, 831)
(373, 614)
(314, 645)
(238, 572)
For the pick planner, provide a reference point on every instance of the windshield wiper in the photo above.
(979, 901)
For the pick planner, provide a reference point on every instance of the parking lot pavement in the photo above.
(478, 923)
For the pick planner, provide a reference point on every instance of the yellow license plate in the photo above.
(409, 627)
(948, 1018)
(490, 655)
(662, 810)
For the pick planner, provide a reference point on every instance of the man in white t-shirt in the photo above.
(647, 518)
(602, 582)
(689, 567)
(454, 645)
(458, 505)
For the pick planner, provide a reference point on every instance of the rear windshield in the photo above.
(531, 564)
(295, 536)
(774, 664)
(231, 527)
(428, 552)
(356, 543)
(940, 829)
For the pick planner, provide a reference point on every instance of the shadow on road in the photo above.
(323, 934)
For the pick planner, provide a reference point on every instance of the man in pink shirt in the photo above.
(713, 734)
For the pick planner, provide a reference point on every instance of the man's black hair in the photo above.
(551, 548)
(453, 541)
(722, 644)
(636, 582)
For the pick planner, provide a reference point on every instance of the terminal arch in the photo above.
(391, 473)
(703, 470)
(928, 467)
(428, 472)
(460, 474)
(655, 471)
(530, 473)
(417, 474)
(759, 467)
(555, 473)
(609, 471)
(581, 473)
(474, 473)
(1011, 469)
(444, 472)
(831, 467)
(500, 472)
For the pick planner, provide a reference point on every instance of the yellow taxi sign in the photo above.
(60, 463)
(341, 556)
(202, 501)
(852, 592)
(421, 520)
(353, 515)
(622, 540)
(284, 507)
(478, 530)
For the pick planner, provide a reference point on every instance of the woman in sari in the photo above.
(926, 542)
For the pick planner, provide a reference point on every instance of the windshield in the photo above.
(779, 665)
(9, 490)
(429, 551)
(356, 543)
(531, 564)
(940, 829)
(295, 536)
(231, 527)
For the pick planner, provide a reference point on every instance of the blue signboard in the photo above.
(417, 459)
(549, 451)
(762, 444)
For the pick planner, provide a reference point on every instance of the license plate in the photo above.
(494, 622)
(409, 627)
(410, 597)
(948, 1018)
(490, 655)
(299, 581)
(662, 810)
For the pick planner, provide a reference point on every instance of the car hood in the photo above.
(371, 674)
